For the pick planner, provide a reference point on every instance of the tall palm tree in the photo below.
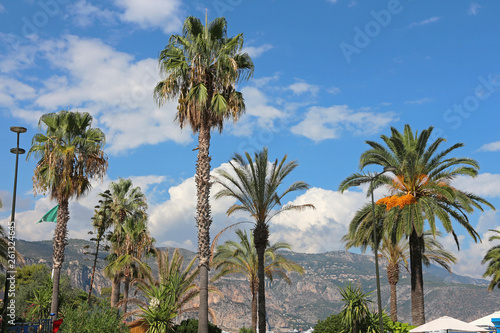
(254, 184)
(421, 193)
(241, 258)
(395, 248)
(492, 257)
(131, 241)
(201, 68)
(127, 201)
(71, 156)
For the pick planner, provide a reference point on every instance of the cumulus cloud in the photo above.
(256, 51)
(485, 184)
(302, 87)
(492, 146)
(84, 14)
(323, 123)
(163, 14)
(321, 229)
(96, 78)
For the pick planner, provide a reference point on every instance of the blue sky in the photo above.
(329, 74)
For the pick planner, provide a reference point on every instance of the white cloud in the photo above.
(420, 101)
(425, 22)
(83, 14)
(301, 87)
(2, 8)
(474, 8)
(334, 90)
(256, 51)
(321, 229)
(12, 90)
(492, 146)
(484, 185)
(259, 113)
(96, 78)
(322, 123)
(469, 258)
(163, 14)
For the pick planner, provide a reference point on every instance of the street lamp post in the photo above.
(18, 151)
(375, 247)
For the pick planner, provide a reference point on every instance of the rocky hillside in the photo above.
(310, 297)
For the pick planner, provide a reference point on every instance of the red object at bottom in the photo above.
(56, 324)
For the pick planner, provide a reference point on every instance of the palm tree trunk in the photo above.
(93, 270)
(261, 235)
(417, 281)
(393, 278)
(59, 244)
(126, 285)
(203, 221)
(254, 286)
(115, 291)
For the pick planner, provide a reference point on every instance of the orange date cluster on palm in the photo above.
(397, 200)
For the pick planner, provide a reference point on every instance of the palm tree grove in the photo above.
(177, 185)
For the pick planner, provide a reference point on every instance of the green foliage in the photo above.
(91, 319)
(191, 326)
(162, 308)
(397, 327)
(40, 303)
(355, 309)
(332, 324)
(246, 330)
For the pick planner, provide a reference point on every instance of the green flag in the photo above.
(51, 215)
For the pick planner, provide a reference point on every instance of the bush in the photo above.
(332, 324)
(191, 326)
(246, 330)
(91, 319)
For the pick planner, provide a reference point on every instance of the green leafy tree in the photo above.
(70, 156)
(395, 248)
(201, 68)
(421, 193)
(492, 258)
(254, 184)
(332, 324)
(241, 258)
(39, 307)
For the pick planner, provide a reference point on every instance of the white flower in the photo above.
(154, 303)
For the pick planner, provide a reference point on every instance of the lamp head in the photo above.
(389, 169)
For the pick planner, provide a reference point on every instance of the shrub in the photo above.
(332, 324)
(246, 330)
(191, 326)
(91, 319)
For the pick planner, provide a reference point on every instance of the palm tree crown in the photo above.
(492, 257)
(241, 258)
(421, 193)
